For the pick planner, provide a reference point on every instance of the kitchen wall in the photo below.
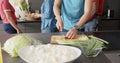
(113, 5)
(112, 24)
(35, 4)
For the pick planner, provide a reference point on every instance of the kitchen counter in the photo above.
(33, 26)
(114, 56)
(109, 18)
(101, 58)
(33, 21)
(25, 21)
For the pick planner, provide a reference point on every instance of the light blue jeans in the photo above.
(9, 29)
(88, 27)
(91, 25)
(49, 30)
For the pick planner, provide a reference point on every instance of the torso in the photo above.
(72, 11)
(5, 5)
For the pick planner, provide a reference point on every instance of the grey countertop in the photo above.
(109, 18)
(114, 56)
(32, 21)
(101, 58)
(0, 21)
(25, 21)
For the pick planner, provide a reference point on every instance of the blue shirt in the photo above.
(48, 17)
(71, 12)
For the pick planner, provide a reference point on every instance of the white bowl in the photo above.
(49, 54)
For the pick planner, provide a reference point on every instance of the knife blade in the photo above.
(62, 33)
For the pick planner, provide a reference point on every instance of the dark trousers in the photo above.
(9, 29)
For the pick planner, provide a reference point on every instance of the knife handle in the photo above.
(1, 60)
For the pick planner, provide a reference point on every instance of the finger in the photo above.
(61, 27)
(57, 26)
(69, 34)
(73, 36)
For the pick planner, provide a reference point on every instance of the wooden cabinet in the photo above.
(108, 24)
(1, 27)
(26, 27)
(30, 27)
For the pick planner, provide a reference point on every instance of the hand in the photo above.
(19, 31)
(59, 24)
(71, 33)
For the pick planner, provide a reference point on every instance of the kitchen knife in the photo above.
(62, 33)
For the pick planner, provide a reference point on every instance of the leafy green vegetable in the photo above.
(89, 47)
(92, 46)
(93, 37)
(15, 43)
(24, 5)
(73, 43)
(34, 41)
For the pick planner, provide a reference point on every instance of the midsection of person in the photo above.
(97, 9)
(6, 7)
(48, 18)
(9, 19)
(72, 11)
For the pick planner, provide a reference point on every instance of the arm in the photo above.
(7, 11)
(12, 22)
(94, 9)
(86, 16)
(57, 9)
(87, 13)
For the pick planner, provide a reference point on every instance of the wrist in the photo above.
(58, 16)
(76, 27)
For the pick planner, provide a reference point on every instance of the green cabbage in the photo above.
(15, 43)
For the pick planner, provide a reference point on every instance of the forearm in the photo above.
(87, 13)
(84, 19)
(56, 9)
(12, 22)
(94, 9)
(10, 19)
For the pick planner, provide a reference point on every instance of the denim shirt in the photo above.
(48, 17)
